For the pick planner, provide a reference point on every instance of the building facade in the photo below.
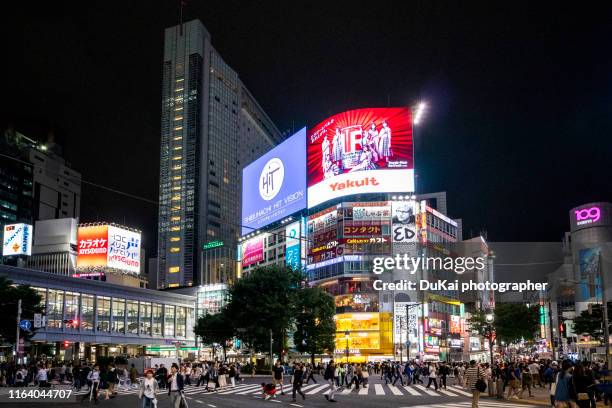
(107, 319)
(211, 127)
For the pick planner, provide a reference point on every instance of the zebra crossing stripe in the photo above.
(427, 390)
(347, 390)
(378, 388)
(460, 391)
(446, 392)
(317, 389)
(309, 386)
(395, 390)
(411, 390)
(239, 389)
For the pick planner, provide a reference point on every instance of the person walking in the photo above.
(397, 374)
(433, 376)
(93, 379)
(581, 383)
(330, 376)
(175, 386)
(148, 390)
(444, 372)
(278, 375)
(473, 373)
(310, 375)
(298, 378)
(134, 375)
(526, 379)
(563, 388)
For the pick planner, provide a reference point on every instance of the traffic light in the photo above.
(66, 344)
(73, 323)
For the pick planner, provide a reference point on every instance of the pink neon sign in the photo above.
(588, 215)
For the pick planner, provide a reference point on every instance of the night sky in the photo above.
(519, 130)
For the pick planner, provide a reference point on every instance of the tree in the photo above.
(590, 322)
(263, 302)
(315, 325)
(30, 304)
(512, 322)
(215, 328)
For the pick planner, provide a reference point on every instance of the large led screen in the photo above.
(274, 186)
(360, 151)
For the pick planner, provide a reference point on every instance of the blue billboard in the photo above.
(274, 186)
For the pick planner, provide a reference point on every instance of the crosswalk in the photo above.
(468, 404)
(374, 390)
(323, 389)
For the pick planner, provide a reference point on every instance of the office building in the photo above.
(211, 127)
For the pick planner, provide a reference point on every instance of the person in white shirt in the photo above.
(94, 380)
(534, 371)
(41, 377)
(148, 390)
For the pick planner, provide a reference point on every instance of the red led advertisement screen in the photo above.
(360, 151)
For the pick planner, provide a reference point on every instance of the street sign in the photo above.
(37, 320)
(25, 325)
(213, 244)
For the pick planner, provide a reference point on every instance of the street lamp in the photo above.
(489, 318)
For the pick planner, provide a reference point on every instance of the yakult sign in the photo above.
(591, 215)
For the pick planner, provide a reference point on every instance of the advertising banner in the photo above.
(405, 329)
(17, 240)
(360, 151)
(404, 221)
(371, 213)
(292, 246)
(455, 325)
(274, 186)
(253, 251)
(123, 249)
(92, 242)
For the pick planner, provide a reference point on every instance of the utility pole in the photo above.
(17, 336)
(604, 312)
(271, 356)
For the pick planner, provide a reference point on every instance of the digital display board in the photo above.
(252, 251)
(17, 240)
(293, 253)
(274, 186)
(360, 151)
(108, 246)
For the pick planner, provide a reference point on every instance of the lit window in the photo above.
(175, 250)
(176, 178)
(173, 285)
(178, 117)
(178, 89)
(180, 79)
(178, 108)
(175, 239)
(177, 167)
(174, 269)
(176, 208)
(175, 229)
(178, 148)
(178, 138)
(175, 218)
(176, 197)
(178, 128)
(176, 188)
(177, 157)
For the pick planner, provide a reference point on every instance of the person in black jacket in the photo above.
(298, 379)
(175, 386)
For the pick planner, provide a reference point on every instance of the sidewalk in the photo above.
(541, 396)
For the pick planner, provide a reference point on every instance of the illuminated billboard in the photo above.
(252, 251)
(274, 186)
(293, 253)
(17, 240)
(360, 151)
(108, 246)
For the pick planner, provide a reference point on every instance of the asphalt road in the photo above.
(247, 395)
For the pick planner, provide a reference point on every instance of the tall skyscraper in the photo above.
(211, 127)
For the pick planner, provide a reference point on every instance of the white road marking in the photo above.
(411, 390)
(364, 391)
(395, 390)
(315, 390)
(378, 388)
(427, 390)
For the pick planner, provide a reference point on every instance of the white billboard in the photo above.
(404, 221)
(405, 330)
(17, 240)
(123, 249)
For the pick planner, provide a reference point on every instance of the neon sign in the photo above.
(587, 215)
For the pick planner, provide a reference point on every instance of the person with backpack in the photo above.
(474, 377)
(330, 376)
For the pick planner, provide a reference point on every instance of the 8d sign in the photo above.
(403, 224)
